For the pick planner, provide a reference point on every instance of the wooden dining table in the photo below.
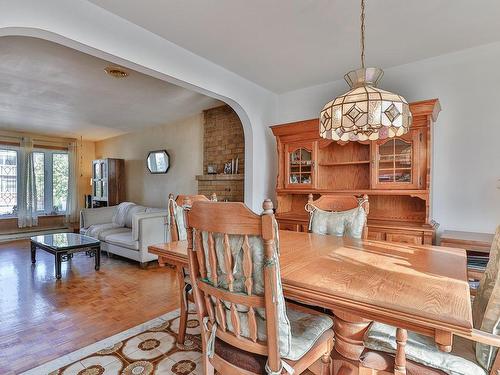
(419, 288)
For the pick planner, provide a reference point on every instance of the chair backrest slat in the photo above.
(212, 259)
(200, 254)
(252, 324)
(247, 266)
(235, 320)
(228, 263)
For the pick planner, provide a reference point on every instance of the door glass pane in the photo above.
(8, 182)
(98, 189)
(386, 151)
(402, 175)
(402, 154)
(97, 170)
(305, 156)
(39, 164)
(60, 177)
(104, 172)
(300, 164)
(395, 161)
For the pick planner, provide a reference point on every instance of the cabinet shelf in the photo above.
(333, 164)
(396, 169)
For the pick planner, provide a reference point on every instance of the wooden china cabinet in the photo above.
(108, 182)
(394, 173)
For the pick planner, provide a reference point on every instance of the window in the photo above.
(51, 180)
(39, 162)
(8, 181)
(60, 179)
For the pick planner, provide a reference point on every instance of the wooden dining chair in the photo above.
(246, 326)
(338, 215)
(176, 225)
(391, 349)
(177, 232)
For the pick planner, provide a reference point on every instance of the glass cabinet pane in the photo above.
(104, 172)
(97, 170)
(98, 189)
(395, 161)
(300, 164)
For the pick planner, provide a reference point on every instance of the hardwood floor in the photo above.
(42, 318)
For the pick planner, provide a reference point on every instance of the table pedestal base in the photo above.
(349, 332)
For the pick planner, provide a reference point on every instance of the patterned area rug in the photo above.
(152, 351)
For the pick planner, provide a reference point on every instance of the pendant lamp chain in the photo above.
(362, 33)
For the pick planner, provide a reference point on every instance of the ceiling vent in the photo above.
(116, 72)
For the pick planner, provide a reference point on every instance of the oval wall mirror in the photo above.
(158, 161)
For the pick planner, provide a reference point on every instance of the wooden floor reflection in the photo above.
(42, 318)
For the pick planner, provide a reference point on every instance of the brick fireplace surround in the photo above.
(223, 140)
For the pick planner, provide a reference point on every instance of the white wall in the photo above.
(183, 141)
(466, 194)
(88, 28)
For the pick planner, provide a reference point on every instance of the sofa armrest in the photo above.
(149, 228)
(92, 216)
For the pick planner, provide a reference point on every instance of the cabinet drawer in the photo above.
(376, 235)
(289, 226)
(412, 239)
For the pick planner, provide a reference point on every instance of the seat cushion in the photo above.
(103, 234)
(123, 239)
(306, 328)
(179, 221)
(486, 306)
(385, 362)
(245, 360)
(96, 229)
(343, 223)
(420, 349)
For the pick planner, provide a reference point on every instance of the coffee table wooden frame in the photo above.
(60, 253)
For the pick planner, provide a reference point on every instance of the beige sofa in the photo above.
(127, 229)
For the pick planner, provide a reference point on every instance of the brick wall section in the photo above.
(223, 140)
(230, 190)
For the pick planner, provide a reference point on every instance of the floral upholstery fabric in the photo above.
(420, 349)
(486, 306)
(298, 331)
(178, 218)
(343, 223)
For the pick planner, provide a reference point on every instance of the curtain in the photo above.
(72, 202)
(27, 197)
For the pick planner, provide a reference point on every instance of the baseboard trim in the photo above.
(27, 234)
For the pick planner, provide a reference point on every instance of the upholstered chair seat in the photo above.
(467, 358)
(422, 350)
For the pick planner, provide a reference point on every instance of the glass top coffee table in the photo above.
(63, 245)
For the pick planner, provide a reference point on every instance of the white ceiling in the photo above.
(289, 44)
(50, 89)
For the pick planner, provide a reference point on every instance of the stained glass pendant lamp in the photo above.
(365, 113)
